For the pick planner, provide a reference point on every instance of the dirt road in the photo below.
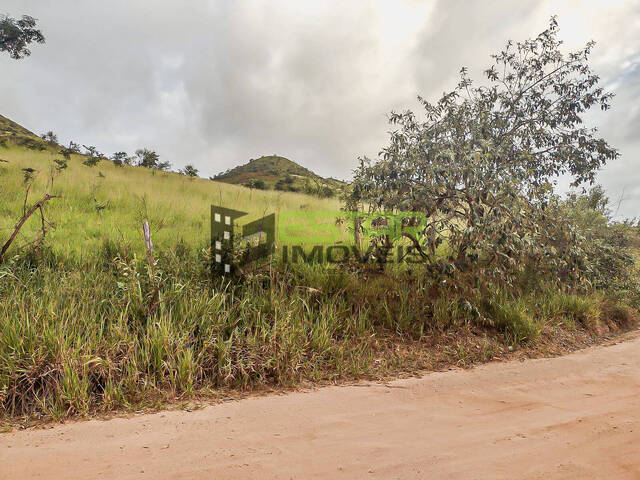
(572, 417)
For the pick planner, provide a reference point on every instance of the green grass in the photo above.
(178, 207)
(513, 317)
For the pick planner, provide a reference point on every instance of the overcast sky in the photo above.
(215, 83)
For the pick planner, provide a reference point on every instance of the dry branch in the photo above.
(25, 216)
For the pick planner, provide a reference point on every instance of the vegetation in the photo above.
(76, 335)
(50, 137)
(120, 158)
(150, 159)
(189, 171)
(259, 184)
(480, 169)
(15, 134)
(177, 208)
(88, 344)
(96, 318)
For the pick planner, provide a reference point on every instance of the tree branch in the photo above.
(36, 206)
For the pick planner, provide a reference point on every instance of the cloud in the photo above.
(217, 83)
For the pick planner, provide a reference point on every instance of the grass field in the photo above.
(106, 203)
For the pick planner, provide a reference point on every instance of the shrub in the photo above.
(257, 184)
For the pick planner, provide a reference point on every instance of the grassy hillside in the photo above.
(105, 203)
(278, 173)
(12, 133)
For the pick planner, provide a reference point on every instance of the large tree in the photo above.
(480, 165)
(17, 34)
(150, 159)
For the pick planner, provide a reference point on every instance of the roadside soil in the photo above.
(576, 416)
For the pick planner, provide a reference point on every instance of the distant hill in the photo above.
(12, 132)
(265, 173)
(279, 173)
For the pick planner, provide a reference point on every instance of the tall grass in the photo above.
(77, 335)
(80, 340)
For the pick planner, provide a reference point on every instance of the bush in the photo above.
(257, 184)
(585, 248)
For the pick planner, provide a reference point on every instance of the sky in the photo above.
(215, 83)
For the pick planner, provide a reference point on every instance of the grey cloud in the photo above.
(462, 33)
(215, 83)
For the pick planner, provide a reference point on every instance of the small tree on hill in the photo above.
(50, 137)
(258, 184)
(147, 158)
(150, 159)
(94, 156)
(91, 151)
(189, 171)
(119, 158)
(72, 149)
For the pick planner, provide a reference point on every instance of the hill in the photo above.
(11, 132)
(279, 173)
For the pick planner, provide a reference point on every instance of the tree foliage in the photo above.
(147, 158)
(258, 184)
(17, 34)
(189, 171)
(94, 156)
(50, 137)
(150, 159)
(586, 246)
(481, 164)
(318, 189)
(120, 159)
